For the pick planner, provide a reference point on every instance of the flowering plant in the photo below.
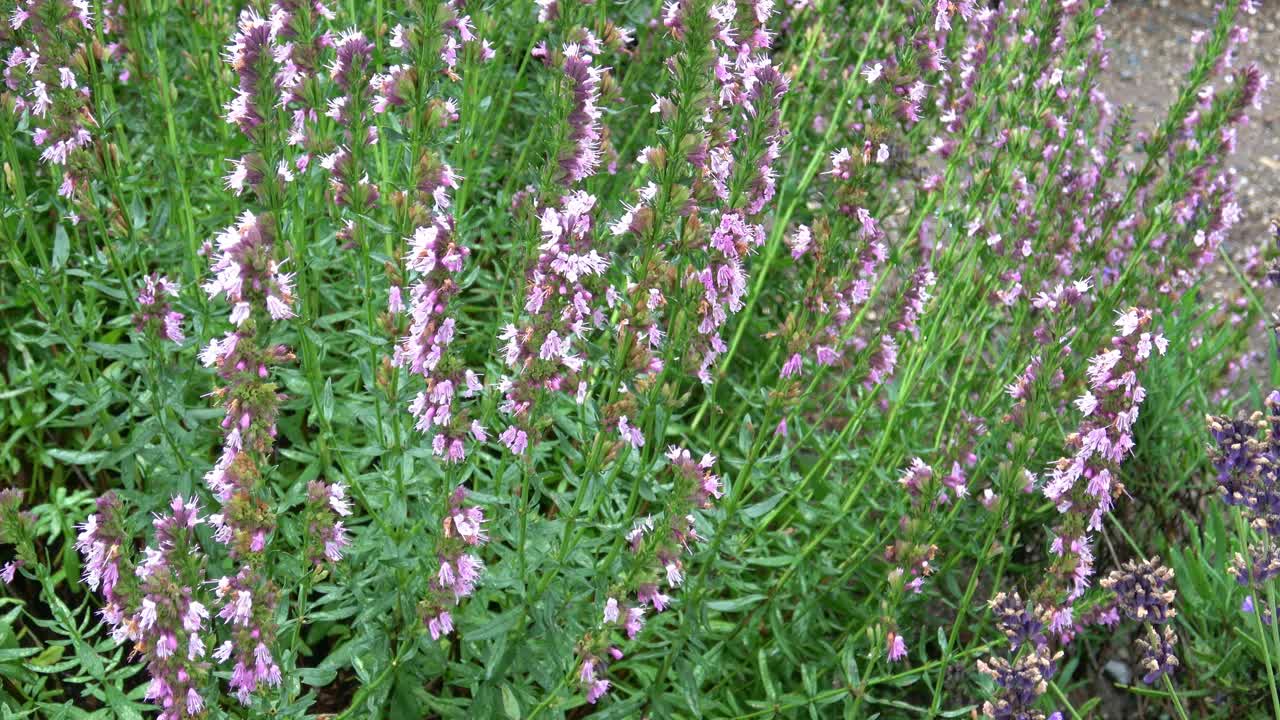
(727, 358)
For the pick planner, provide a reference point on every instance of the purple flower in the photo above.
(1020, 624)
(154, 606)
(440, 624)
(460, 568)
(437, 259)
(1019, 683)
(1102, 442)
(1143, 590)
(326, 537)
(896, 648)
(582, 156)
(155, 314)
(1248, 478)
(545, 349)
(1157, 653)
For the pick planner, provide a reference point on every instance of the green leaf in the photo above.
(317, 676)
(755, 510)
(763, 663)
(510, 705)
(7, 654)
(361, 672)
(61, 246)
(77, 457)
(51, 655)
(326, 401)
(736, 604)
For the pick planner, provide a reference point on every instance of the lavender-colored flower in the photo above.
(326, 538)
(895, 647)
(1157, 652)
(157, 605)
(658, 544)
(246, 606)
(581, 157)
(723, 284)
(1081, 484)
(46, 43)
(1019, 684)
(105, 549)
(1142, 590)
(546, 351)
(1245, 455)
(1020, 624)
(251, 55)
(459, 567)
(246, 272)
(426, 350)
(155, 313)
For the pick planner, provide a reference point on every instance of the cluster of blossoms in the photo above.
(250, 54)
(326, 537)
(428, 49)
(1021, 683)
(282, 58)
(827, 334)
(658, 544)
(723, 283)
(1246, 454)
(248, 603)
(349, 183)
(51, 45)
(400, 87)
(1081, 149)
(155, 312)
(17, 528)
(718, 177)
(1023, 679)
(105, 548)
(279, 91)
(1143, 593)
(434, 255)
(459, 569)
(169, 625)
(904, 81)
(247, 273)
(959, 91)
(913, 561)
(741, 141)
(154, 602)
(928, 491)
(564, 290)
(1143, 590)
(425, 350)
(161, 609)
(912, 555)
(581, 156)
(301, 40)
(546, 353)
(831, 330)
(1082, 484)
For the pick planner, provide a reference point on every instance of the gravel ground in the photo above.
(1150, 54)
